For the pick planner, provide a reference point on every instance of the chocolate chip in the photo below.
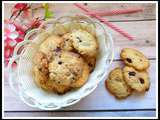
(132, 73)
(90, 64)
(141, 80)
(79, 39)
(129, 60)
(40, 69)
(67, 39)
(59, 62)
(60, 35)
(58, 49)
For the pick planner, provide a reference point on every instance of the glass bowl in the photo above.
(21, 79)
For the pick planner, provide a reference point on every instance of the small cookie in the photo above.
(137, 80)
(116, 84)
(134, 58)
(84, 43)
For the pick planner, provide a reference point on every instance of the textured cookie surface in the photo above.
(52, 43)
(53, 86)
(66, 68)
(134, 58)
(83, 79)
(43, 81)
(40, 60)
(40, 77)
(67, 42)
(84, 43)
(91, 61)
(137, 80)
(116, 84)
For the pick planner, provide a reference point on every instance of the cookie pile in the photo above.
(133, 77)
(64, 61)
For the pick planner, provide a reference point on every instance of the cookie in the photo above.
(51, 44)
(42, 80)
(134, 58)
(84, 43)
(66, 68)
(67, 42)
(137, 80)
(116, 84)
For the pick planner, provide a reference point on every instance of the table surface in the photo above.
(142, 25)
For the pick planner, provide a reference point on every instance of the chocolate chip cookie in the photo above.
(67, 68)
(116, 84)
(137, 80)
(41, 74)
(134, 58)
(84, 43)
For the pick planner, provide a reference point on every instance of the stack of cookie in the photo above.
(133, 77)
(64, 61)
